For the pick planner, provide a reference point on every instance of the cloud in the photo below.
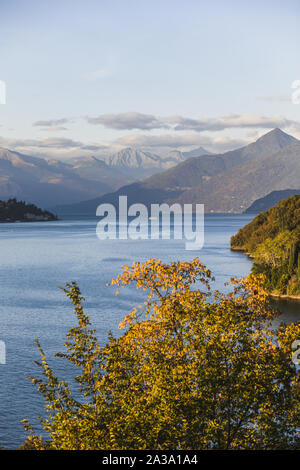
(55, 129)
(51, 122)
(128, 121)
(276, 99)
(135, 120)
(237, 121)
(179, 141)
(55, 142)
(183, 133)
(59, 147)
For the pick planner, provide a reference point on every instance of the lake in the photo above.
(38, 257)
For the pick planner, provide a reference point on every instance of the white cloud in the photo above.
(237, 121)
(58, 147)
(183, 133)
(135, 120)
(128, 121)
(50, 122)
(180, 141)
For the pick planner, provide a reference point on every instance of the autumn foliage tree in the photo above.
(191, 370)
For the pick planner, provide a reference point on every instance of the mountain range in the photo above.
(137, 164)
(227, 182)
(274, 164)
(272, 199)
(49, 182)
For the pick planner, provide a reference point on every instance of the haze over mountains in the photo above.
(228, 182)
(48, 182)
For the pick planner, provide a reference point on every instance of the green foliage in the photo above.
(192, 370)
(273, 240)
(276, 251)
(13, 210)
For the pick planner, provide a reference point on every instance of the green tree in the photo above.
(276, 251)
(192, 370)
(273, 239)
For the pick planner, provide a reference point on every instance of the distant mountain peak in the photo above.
(88, 161)
(130, 157)
(198, 152)
(281, 138)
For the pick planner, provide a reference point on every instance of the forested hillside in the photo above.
(273, 240)
(13, 211)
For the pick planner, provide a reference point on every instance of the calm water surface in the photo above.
(38, 257)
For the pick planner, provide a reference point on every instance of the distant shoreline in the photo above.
(277, 296)
(26, 220)
(286, 296)
(20, 211)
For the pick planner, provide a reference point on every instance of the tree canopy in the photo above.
(191, 369)
(13, 210)
(273, 240)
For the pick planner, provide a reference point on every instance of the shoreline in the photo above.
(27, 220)
(286, 296)
(276, 296)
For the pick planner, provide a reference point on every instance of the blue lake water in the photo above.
(38, 257)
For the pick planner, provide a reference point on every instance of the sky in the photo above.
(89, 77)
